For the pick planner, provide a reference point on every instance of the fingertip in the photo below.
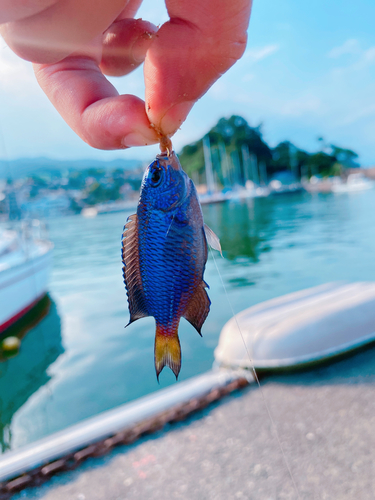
(173, 118)
(117, 123)
(143, 42)
(136, 139)
(125, 46)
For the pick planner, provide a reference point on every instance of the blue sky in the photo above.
(308, 71)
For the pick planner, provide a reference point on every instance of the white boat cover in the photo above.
(302, 327)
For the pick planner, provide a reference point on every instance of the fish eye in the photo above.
(156, 176)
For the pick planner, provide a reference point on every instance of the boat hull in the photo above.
(301, 328)
(21, 288)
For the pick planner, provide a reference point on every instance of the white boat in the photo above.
(354, 182)
(284, 182)
(237, 194)
(25, 260)
(300, 328)
(317, 185)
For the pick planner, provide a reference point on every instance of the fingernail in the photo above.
(135, 139)
(175, 116)
(141, 45)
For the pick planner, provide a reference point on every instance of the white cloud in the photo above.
(15, 73)
(301, 106)
(351, 46)
(358, 114)
(257, 54)
(367, 59)
(363, 57)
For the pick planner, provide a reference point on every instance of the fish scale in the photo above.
(164, 255)
(160, 267)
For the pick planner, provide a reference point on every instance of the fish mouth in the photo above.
(164, 156)
(169, 160)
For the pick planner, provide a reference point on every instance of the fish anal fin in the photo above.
(198, 308)
(167, 350)
(131, 271)
(212, 239)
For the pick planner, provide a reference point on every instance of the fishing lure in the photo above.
(164, 252)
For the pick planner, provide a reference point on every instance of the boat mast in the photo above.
(208, 165)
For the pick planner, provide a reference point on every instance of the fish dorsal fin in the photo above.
(131, 270)
(198, 307)
(212, 239)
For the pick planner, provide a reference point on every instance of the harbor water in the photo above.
(79, 360)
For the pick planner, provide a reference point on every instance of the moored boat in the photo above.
(354, 182)
(25, 260)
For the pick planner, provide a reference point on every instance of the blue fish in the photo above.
(164, 252)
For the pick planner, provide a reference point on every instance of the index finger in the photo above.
(91, 106)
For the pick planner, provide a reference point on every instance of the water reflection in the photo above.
(22, 375)
(245, 228)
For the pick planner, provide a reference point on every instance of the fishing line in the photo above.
(170, 225)
(257, 381)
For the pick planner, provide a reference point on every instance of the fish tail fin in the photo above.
(167, 350)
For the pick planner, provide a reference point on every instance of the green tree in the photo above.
(320, 164)
(345, 157)
(229, 135)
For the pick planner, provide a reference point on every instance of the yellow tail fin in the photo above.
(167, 350)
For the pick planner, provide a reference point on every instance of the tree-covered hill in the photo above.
(239, 153)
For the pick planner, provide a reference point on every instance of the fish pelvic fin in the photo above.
(198, 308)
(212, 239)
(167, 350)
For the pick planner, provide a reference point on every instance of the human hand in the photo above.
(73, 44)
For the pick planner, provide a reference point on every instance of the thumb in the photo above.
(200, 42)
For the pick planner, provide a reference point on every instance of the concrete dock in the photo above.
(325, 420)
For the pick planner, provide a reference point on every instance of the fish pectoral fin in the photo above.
(212, 239)
(167, 350)
(198, 308)
(131, 270)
